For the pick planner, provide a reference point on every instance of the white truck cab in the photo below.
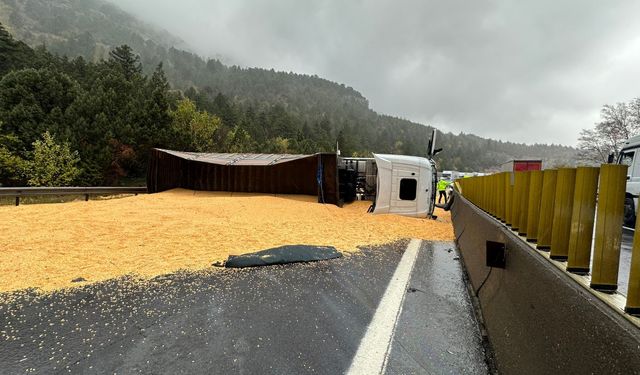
(630, 155)
(405, 185)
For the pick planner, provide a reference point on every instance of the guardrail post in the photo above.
(501, 196)
(633, 291)
(582, 218)
(606, 252)
(494, 196)
(477, 191)
(17, 200)
(508, 201)
(562, 210)
(516, 198)
(474, 191)
(524, 203)
(535, 195)
(86, 197)
(485, 193)
(480, 193)
(545, 224)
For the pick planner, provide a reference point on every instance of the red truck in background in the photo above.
(521, 165)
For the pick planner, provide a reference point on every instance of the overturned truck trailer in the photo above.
(396, 184)
(251, 173)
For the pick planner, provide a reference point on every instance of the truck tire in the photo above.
(629, 213)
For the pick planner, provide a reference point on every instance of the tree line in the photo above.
(95, 122)
(316, 113)
(108, 113)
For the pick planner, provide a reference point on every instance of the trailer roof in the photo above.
(235, 159)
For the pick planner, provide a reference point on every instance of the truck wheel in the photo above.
(629, 213)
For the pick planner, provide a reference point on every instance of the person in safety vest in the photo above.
(442, 190)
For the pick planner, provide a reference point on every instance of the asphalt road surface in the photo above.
(393, 309)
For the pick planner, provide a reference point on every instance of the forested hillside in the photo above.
(88, 28)
(244, 110)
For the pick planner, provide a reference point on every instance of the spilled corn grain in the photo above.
(47, 246)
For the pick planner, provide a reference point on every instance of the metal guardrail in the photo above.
(19, 192)
(558, 211)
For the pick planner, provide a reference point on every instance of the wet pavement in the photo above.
(436, 334)
(286, 319)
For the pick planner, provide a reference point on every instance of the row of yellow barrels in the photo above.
(557, 209)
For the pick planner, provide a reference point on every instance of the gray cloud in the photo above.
(527, 71)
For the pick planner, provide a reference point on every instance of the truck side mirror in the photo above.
(610, 158)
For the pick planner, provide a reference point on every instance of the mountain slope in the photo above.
(79, 27)
(90, 28)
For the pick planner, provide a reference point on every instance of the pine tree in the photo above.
(129, 62)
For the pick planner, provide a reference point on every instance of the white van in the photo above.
(405, 185)
(630, 155)
(451, 175)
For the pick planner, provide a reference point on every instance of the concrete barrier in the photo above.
(538, 319)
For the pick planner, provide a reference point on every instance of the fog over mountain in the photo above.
(524, 71)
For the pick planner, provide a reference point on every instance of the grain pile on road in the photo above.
(47, 246)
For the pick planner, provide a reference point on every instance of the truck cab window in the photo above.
(408, 187)
(626, 158)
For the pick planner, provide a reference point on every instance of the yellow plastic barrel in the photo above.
(582, 219)
(535, 197)
(562, 210)
(606, 251)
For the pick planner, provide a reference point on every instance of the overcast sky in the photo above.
(525, 71)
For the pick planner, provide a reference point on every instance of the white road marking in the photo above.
(373, 352)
